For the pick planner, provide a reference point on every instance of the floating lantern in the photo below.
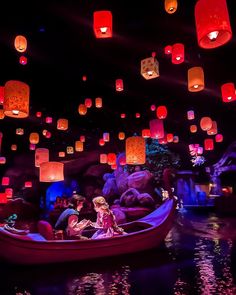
(111, 159)
(135, 150)
(213, 130)
(98, 102)
(193, 128)
(3, 198)
(84, 78)
(114, 167)
(9, 192)
(16, 99)
(219, 137)
(153, 108)
(103, 158)
(38, 114)
(121, 135)
(168, 49)
(19, 131)
(208, 144)
(101, 142)
(23, 60)
(171, 6)
(2, 115)
(70, 150)
(190, 115)
(228, 92)
(119, 85)
(146, 133)
(212, 23)
(48, 120)
(156, 128)
(122, 160)
(61, 154)
(32, 146)
(177, 53)
(1, 94)
(34, 138)
(2, 160)
(62, 124)
(82, 138)
(195, 79)
(51, 172)
(176, 139)
(41, 156)
(48, 134)
(205, 123)
(5, 181)
(150, 68)
(102, 24)
(14, 147)
(20, 43)
(137, 115)
(28, 184)
(106, 136)
(122, 116)
(161, 112)
(200, 150)
(79, 146)
(169, 137)
(88, 102)
(163, 140)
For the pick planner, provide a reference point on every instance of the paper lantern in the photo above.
(111, 158)
(102, 24)
(3, 198)
(137, 115)
(62, 124)
(34, 138)
(19, 131)
(32, 146)
(79, 146)
(150, 68)
(48, 120)
(84, 78)
(177, 53)
(23, 60)
(146, 133)
(193, 128)
(5, 181)
(176, 139)
(82, 138)
(82, 109)
(213, 130)
(205, 123)
(153, 107)
(2, 160)
(208, 144)
(13, 147)
(122, 160)
(200, 150)
(106, 136)
(16, 99)
(70, 150)
(114, 167)
(121, 135)
(161, 112)
(168, 49)
(101, 142)
(48, 134)
(119, 85)
(28, 184)
(20, 43)
(156, 128)
(9, 192)
(98, 102)
(61, 154)
(1, 94)
(163, 140)
(195, 79)
(171, 6)
(103, 158)
(122, 116)
(228, 92)
(38, 114)
(41, 156)
(169, 137)
(190, 115)
(219, 137)
(51, 172)
(135, 150)
(212, 23)
(88, 102)
(2, 115)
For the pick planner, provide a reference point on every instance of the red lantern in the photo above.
(28, 184)
(122, 116)
(208, 144)
(111, 159)
(219, 137)
(48, 134)
(177, 53)
(228, 92)
(51, 172)
(168, 49)
(137, 115)
(205, 123)
(146, 133)
(62, 124)
(122, 160)
(213, 130)
(153, 107)
(2, 115)
(88, 102)
(212, 23)
(102, 24)
(5, 181)
(156, 128)
(193, 128)
(161, 112)
(119, 85)
(82, 138)
(9, 192)
(169, 137)
(84, 78)
(23, 60)
(114, 167)
(3, 198)
(1, 94)
(39, 114)
(101, 142)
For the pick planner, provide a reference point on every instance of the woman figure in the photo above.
(106, 222)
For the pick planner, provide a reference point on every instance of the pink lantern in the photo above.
(28, 184)
(153, 107)
(168, 49)
(190, 115)
(119, 85)
(122, 116)
(82, 138)
(5, 181)
(219, 137)
(48, 120)
(88, 102)
(177, 53)
(38, 114)
(156, 128)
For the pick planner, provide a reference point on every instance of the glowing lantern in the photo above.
(103, 158)
(146, 133)
(213, 130)
(70, 150)
(41, 156)
(20, 43)
(38, 114)
(219, 137)
(114, 167)
(119, 85)
(169, 137)
(51, 172)
(190, 115)
(121, 135)
(5, 181)
(212, 23)
(13, 147)
(135, 150)
(32, 146)
(28, 184)
(61, 154)
(153, 107)
(150, 68)
(19, 131)
(16, 100)
(193, 128)
(2, 160)
(111, 159)
(44, 132)
(106, 136)
(122, 116)
(208, 144)
(98, 102)
(137, 115)
(177, 53)
(176, 139)
(2, 115)
(9, 192)
(101, 142)
(88, 102)
(228, 92)
(163, 140)
(168, 49)
(205, 123)
(23, 60)
(195, 79)
(171, 6)
(161, 112)
(102, 24)
(84, 78)
(200, 150)
(82, 138)
(1, 94)
(48, 120)
(156, 128)
(48, 134)
(122, 160)
(62, 124)
(3, 198)
(79, 146)
(34, 138)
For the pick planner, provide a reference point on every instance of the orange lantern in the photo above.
(34, 138)
(213, 130)
(98, 102)
(195, 79)
(1, 94)
(193, 128)
(16, 100)
(62, 124)
(28, 184)
(102, 24)
(146, 133)
(161, 112)
(48, 120)
(212, 23)
(106, 136)
(61, 154)
(103, 158)
(228, 92)
(135, 150)
(51, 172)
(190, 115)
(208, 144)
(150, 68)
(156, 128)
(177, 53)
(205, 123)
(70, 150)
(13, 147)
(20, 43)
(23, 60)
(2, 115)
(79, 146)
(5, 181)
(82, 109)
(121, 135)
(111, 158)
(119, 85)
(41, 156)
(171, 6)
(88, 102)
(219, 137)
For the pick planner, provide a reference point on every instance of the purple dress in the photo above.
(107, 226)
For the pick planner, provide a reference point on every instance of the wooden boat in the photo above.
(32, 248)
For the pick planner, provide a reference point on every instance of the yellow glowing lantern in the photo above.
(103, 158)
(20, 43)
(16, 100)
(98, 102)
(171, 6)
(79, 146)
(61, 154)
(51, 172)
(82, 109)
(135, 150)
(62, 124)
(121, 135)
(193, 128)
(2, 115)
(34, 138)
(195, 79)
(70, 150)
(150, 68)
(13, 147)
(41, 156)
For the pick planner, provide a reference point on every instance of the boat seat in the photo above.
(45, 229)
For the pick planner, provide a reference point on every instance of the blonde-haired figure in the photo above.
(106, 222)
